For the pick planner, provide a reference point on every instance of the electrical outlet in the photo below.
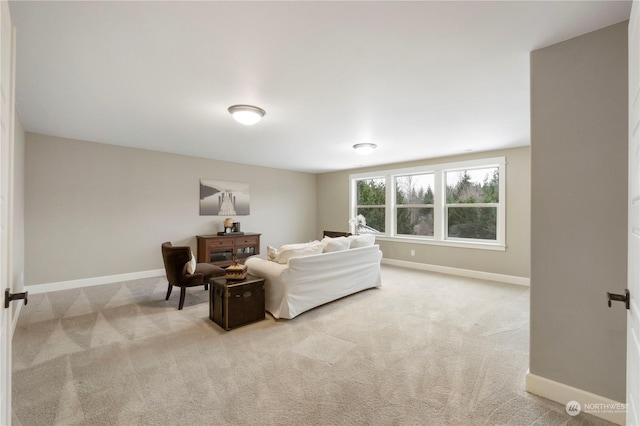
(413, 252)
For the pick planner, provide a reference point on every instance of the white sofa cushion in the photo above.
(362, 240)
(290, 251)
(335, 244)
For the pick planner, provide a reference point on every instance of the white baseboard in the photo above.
(593, 404)
(509, 279)
(88, 282)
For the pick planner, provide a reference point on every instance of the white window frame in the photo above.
(439, 203)
(353, 198)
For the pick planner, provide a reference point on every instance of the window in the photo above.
(472, 203)
(414, 204)
(371, 195)
(457, 204)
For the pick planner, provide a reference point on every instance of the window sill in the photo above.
(459, 244)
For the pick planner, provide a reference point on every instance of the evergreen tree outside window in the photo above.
(371, 203)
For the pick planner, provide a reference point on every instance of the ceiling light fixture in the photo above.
(365, 148)
(246, 114)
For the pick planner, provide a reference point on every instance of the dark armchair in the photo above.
(175, 264)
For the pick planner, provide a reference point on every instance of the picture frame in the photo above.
(222, 198)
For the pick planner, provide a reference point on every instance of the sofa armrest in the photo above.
(264, 268)
(275, 282)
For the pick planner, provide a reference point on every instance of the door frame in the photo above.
(7, 134)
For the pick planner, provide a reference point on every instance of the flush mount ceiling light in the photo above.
(246, 114)
(365, 148)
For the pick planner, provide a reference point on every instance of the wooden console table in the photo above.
(225, 250)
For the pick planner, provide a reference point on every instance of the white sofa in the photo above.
(306, 282)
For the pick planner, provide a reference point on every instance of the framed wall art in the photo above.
(220, 198)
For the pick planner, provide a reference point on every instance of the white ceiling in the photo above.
(419, 79)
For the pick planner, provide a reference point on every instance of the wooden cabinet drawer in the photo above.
(247, 241)
(219, 244)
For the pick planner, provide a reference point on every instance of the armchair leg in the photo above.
(169, 291)
(183, 292)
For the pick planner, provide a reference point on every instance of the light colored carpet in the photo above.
(425, 349)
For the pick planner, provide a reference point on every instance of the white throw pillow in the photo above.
(289, 251)
(295, 246)
(272, 254)
(191, 265)
(335, 244)
(363, 240)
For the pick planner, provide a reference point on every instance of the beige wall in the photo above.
(333, 214)
(95, 210)
(579, 214)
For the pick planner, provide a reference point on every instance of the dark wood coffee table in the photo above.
(236, 303)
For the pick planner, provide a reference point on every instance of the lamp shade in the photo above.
(364, 148)
(246, 114)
